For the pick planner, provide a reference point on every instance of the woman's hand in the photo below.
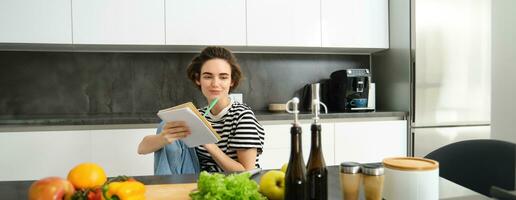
(170, 132)
(174, 130)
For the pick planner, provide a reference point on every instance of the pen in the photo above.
(211, 106)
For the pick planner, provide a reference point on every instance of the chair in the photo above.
(477, 164)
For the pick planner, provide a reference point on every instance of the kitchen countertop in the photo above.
(151, 118)
(19, 189)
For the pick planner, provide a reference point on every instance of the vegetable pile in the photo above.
(231, 187)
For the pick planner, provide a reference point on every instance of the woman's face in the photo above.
(215, 79)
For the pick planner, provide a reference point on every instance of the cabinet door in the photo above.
(116, 151)
(370, 141)
(276, 150)
(118, 22)
(35, 155)
(284, 23)
(200, 22)
(35, 21)
(355, 24)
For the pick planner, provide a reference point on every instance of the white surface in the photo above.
(411, 185)
(352, 23)
(453, 62)
(116, 151)
(276, 150)
(118, 22)
(284, 23)
(366, 142)
(199, 22)
(35, 155)
(35, 21)
(503, 70)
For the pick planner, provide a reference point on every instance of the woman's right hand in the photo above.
(174, 130)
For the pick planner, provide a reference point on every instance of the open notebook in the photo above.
(202, 132)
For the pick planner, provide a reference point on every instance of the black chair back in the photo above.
(477, 164)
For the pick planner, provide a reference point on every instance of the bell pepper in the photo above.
(124, 190)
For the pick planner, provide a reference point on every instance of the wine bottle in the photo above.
(295, 178)
(317, 174)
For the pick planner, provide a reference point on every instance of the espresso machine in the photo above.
(351, 91)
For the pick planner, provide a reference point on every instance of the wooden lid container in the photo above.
(410, 163)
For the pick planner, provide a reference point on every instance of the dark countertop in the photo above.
(151, 118)
(19, 189)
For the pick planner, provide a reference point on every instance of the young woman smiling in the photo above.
(216, 72)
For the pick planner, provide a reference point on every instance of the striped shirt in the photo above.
(238, 129)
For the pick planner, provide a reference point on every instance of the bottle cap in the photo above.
(349, 167)
(372, 169)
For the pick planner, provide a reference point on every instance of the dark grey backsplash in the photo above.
(72, 83)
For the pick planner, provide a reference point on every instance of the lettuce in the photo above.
(232, 187)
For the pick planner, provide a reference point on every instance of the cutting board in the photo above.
(169, 191)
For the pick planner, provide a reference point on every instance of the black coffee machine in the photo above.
(349, 90)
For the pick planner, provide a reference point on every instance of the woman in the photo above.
(216, 72)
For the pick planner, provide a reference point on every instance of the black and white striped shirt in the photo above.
(238, 129)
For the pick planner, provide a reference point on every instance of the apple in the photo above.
(51, 188)
(284, 168)
(272, 185)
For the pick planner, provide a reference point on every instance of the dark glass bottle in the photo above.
(295, 178)
(317, 173)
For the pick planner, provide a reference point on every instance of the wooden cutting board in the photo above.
(169, 191)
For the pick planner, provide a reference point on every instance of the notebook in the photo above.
(202, 132)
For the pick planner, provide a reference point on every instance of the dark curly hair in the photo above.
(193, 70)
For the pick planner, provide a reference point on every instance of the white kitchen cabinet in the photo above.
(38, 154)
(276, 149)
(35, 155)
(35, 21)
(284, 23)
(116, 151)
(200, 22)
(118, 22)
(370, 141)
(355, 24)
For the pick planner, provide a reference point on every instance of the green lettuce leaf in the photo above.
(232, 187)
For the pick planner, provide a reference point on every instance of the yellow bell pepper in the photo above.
(126, 190)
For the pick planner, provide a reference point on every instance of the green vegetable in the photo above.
(231, 187)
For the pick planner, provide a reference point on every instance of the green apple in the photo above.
(272, 185)
(284, 168)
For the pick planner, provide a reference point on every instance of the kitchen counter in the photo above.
(146, 118)
(19, 189)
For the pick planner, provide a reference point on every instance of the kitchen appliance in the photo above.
(451, 74)
(350, 91)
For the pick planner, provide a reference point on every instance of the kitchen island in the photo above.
(19, 189)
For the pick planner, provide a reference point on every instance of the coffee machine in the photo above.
(351, 90)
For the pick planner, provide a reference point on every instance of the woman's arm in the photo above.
(246, 158)
(171, 132)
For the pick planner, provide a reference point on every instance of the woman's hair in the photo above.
(194, 68)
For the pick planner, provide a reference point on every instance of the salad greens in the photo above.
(232, 187)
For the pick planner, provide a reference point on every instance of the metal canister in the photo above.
(350, 178)
(373, 180)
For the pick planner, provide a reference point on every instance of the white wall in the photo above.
(503, 106)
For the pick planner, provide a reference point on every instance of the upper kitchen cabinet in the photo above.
(35, 21)
(286, 23)
(199, 22)
(118, 22)
(355, 23)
